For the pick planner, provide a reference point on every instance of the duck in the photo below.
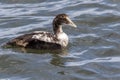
(43, 39)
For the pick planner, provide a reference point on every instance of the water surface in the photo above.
(93, 52)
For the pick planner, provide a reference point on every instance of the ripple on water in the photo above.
(93, 51)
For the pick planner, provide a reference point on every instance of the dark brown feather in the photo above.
(28, 42)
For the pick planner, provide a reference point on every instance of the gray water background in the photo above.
(93, 52)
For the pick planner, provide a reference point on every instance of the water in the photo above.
(93, 52)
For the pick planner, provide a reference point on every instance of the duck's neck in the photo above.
(57, 28)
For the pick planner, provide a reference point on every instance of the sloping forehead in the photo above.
(61, 16)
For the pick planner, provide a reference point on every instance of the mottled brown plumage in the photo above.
(45, 40)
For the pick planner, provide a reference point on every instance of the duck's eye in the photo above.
(66, 21)
(63, 20)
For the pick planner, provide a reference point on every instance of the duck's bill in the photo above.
(71, 23)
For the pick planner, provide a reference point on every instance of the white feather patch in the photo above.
(43, 36)
(62, 38)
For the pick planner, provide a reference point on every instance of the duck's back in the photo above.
(36, 40)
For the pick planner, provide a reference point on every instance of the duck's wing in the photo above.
(45, 36)
(38, 40)
(44, 40)
(21, 40)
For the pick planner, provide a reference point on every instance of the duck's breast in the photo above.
(63, 39)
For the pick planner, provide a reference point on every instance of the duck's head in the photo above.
(61, 19)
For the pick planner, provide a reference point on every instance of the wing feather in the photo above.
(39, 40)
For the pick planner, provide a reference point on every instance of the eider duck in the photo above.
(45, 40)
